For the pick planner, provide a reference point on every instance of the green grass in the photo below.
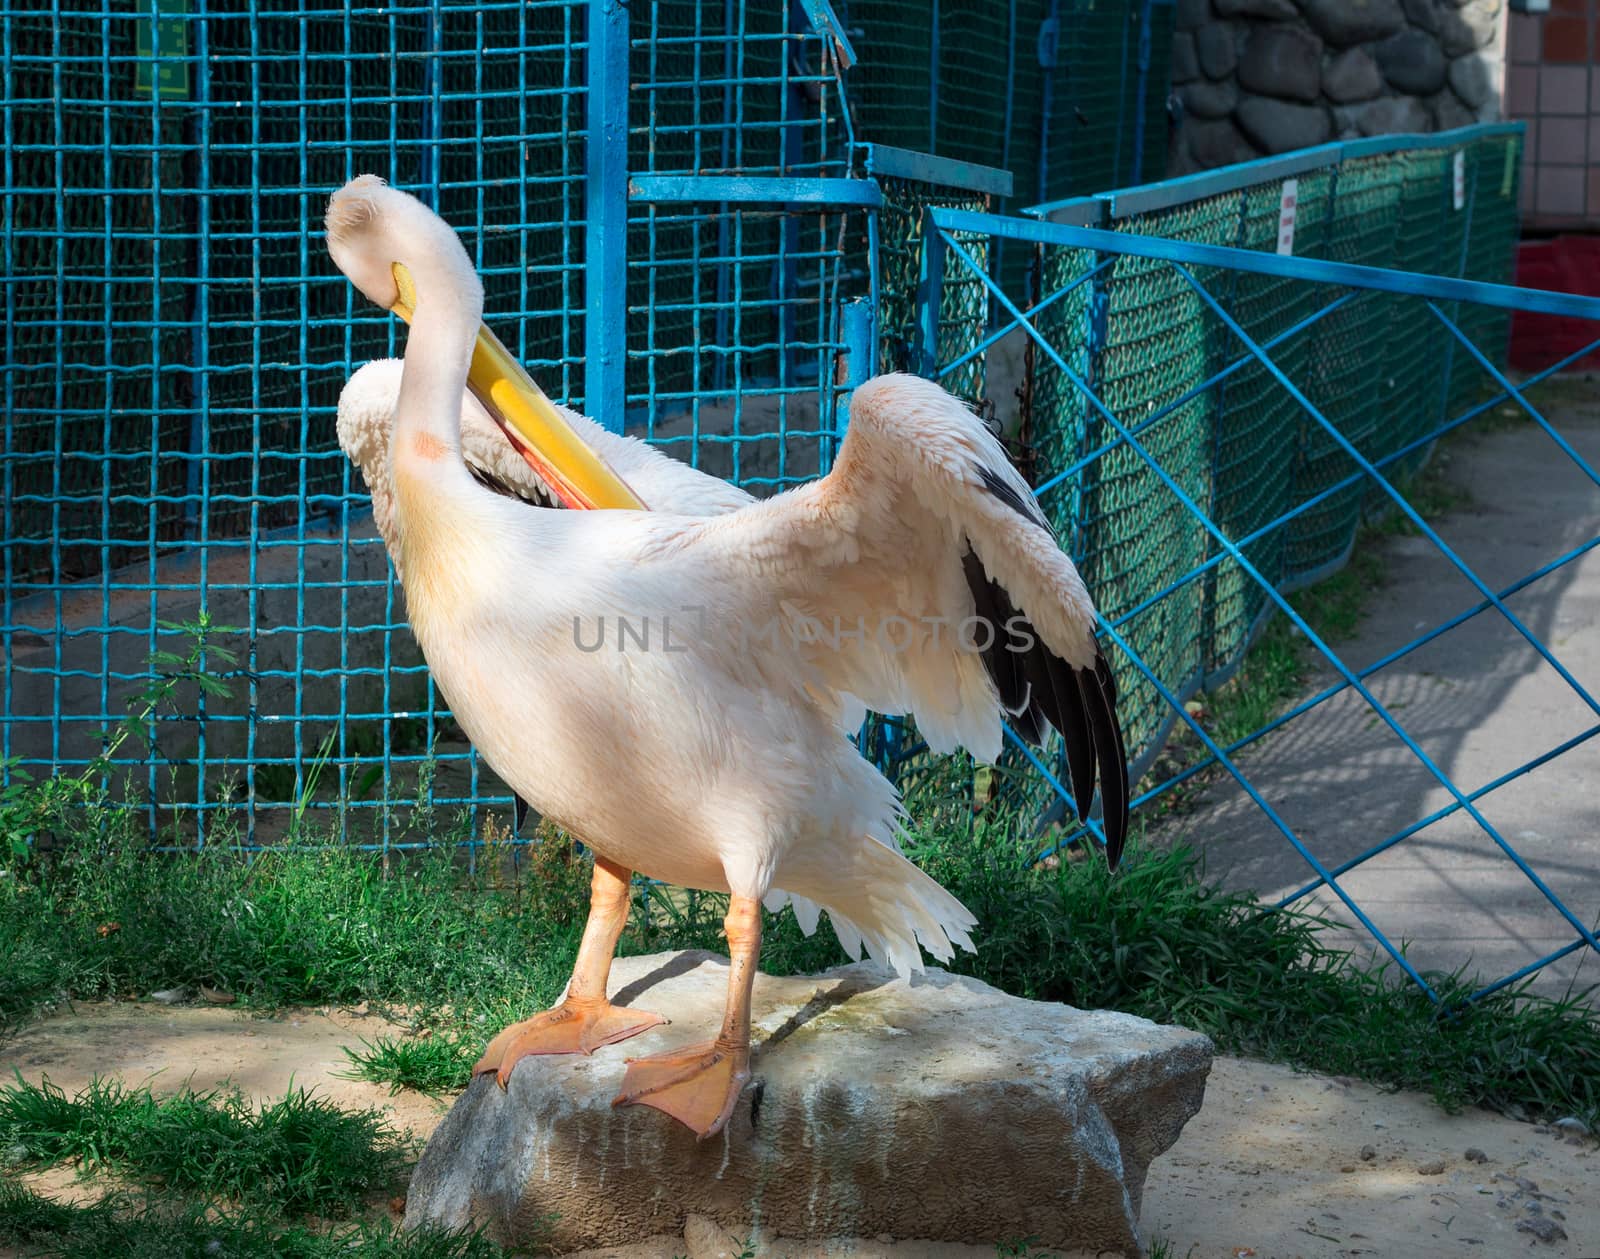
(299, 1152)
(465, 955)
(87, 910)
(158, 1227)
(435, 1065)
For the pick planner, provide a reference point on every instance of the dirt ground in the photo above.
(1277, 1165)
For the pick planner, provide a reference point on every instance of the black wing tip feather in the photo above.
(1038, 689)
(1113, 761)
(1028, 510)
(490, 481)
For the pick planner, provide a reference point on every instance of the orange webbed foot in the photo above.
(697, 1085)
(570, 1028)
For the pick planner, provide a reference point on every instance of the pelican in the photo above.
(366, 415)
(695, 676)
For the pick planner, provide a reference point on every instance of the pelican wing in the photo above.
(920, 577)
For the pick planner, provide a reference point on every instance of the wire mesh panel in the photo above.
(733, 334)
(177, 341)
(1182, 363)
(900, 260)
(1068, 95)
(170, 446)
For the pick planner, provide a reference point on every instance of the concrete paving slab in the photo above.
(1479, 701)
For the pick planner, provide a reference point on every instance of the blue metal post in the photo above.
(606, 216)
(930, 292)
(860, 342)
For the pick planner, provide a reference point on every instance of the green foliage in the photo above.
(165, 1227)
(301, 1153)
(434, 1065)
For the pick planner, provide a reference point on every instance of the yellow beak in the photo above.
(561, 458)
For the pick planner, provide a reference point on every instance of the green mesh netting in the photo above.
(1380, 368)
(963, 310)
(1068, 113)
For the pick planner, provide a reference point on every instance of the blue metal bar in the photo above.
(1511, 390)
(1397, 142)
(1437, 815)
(1006, 329)
(755, 190)
(859, 356)
(1185, 189)
(1275, 596)
(1523, 972)
(930, 294)
(948, 172)
(1337, 688)
(826, 23)
(606, 215)
(1283, 266)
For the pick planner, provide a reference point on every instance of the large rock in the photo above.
(1209, 100)
(1475, 26)
(1423, 14)
(1282, 61)
(1217, 142)
(1449, 113)
(1272, 9)
(1412, 63)
(1472, 80)
(1352, 76)
(1184, 65)
(941, 1110)
(1215, 46)
(1346, 22)
(1393, 115)
(1278, 127)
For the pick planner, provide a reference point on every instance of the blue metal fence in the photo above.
(667, 205)
(688, 222)
(1228, 338)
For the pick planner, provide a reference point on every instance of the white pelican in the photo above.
(694, 676)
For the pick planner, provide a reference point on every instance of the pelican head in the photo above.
(401, 256)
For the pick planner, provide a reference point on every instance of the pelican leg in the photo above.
(699, 1084)
(585, 1020)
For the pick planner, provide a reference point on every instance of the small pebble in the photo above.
(1348, 1167)
(1547, 1231)
(1539, 1127)
(1533, 1208)
(1577, 1141)
(1368, 1154)
(1475, 1155)
(1526, 1185)
(1571, 1126)
(1557, 1215)
(1433, 1167)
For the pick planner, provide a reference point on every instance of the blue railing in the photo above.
(1094, 258)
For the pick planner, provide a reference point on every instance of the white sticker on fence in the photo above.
(1287, 208)
(1458, 191)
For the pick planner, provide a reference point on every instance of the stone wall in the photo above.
(1256, 77)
